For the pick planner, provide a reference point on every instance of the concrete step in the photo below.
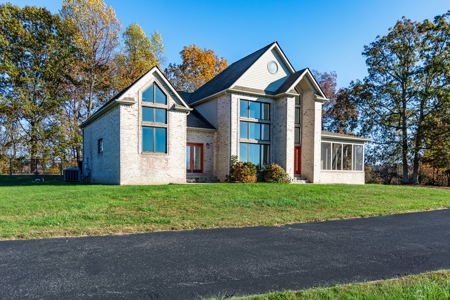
(299, 180)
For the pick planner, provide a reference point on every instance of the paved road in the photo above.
(218, 262)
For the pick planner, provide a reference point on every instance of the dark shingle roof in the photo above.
(119, 94)
(289, 82)
(195, 119)
(227, 77)
(185, 95)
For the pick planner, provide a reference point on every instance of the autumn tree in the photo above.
(97, 37)
(36, 52)
(140, 54)
(406, 96)
(339, 112)
(197, 68)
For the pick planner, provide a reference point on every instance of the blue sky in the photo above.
(323, 35)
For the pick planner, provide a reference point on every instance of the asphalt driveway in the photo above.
(219, 262)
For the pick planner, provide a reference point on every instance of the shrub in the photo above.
(275, 173)
(244, 172)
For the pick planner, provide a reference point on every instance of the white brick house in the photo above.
(259, 109)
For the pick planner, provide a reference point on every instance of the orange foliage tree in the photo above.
(197, 68)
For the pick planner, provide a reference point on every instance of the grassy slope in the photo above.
(433, 286)
(53, 208)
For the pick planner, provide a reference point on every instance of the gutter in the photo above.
(330, 136)
(105, 109)
(201, 129)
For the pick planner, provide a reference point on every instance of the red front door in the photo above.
(297, 160)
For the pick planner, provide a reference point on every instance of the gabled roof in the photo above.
(114, 100)
(196, 120)
(295, 78)
(227, 77)
(289, 82)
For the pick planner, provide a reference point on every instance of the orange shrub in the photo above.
(275, 173)
(244, 172)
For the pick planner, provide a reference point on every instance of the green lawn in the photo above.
(53, 208)
(427, 286)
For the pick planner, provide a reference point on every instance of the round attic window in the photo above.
(272, 67)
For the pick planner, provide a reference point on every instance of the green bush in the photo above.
(275, 173)
(244, 172)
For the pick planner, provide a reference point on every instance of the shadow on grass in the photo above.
(34, 180)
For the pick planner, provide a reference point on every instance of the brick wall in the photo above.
(105, 167)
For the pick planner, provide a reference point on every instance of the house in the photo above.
(259, 109)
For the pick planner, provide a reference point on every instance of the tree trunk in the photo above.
(33, 148)
(405, 179)
(91, 92)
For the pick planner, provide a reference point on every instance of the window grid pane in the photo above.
(265, 111)
(160, 139)
(147, 114)
(265, 132)
(147, 95)
(243, 130)
(255, 110)
(160, 115)
(254, 130)
(147, 139)
(243, 152)
(297, 135)
(160, 97)
(244, 109)
(297, 115)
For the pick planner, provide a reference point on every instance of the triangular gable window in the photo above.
(154, 95)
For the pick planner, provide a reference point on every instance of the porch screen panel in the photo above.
(326, 156)
(347, 157)
(337, 157)
(358, 158)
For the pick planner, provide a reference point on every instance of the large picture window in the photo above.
(254, 131)
(154, 139)
(255, 110)
(258, 154)
(338, 156)
(154, 120)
